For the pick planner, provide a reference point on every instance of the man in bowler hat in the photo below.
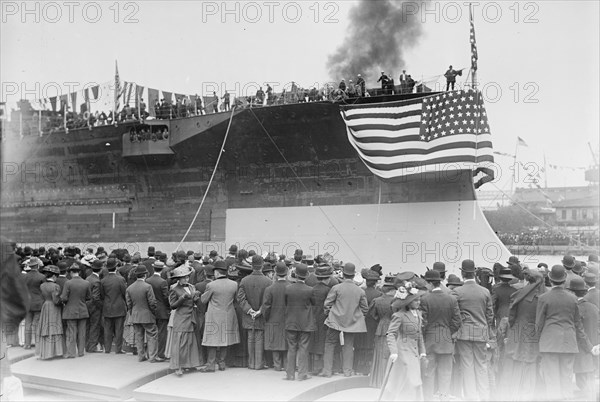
(299, 323)
(475, 304)
(114, 308)
(345, 307)
(250, 298)
(142, 304)
(94, 326)
(441, 321)
(75, 296)
(273, 310)
(560, 329)
(163, 309)
(33, 281)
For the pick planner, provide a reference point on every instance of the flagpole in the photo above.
(40, 121)
(512, 182)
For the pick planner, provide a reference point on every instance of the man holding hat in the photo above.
(221, 324)
(558, 324)
(33, 281)
(75, 296)
(114, 308)
(475, 304)
(142, 305)
(163, 309)
(299, 323)
(250, 298)
(273, 310)
(94, 326)
(441, 321)
(345, 307)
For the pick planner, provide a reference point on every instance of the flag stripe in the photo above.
(415, 142)
(417, 151)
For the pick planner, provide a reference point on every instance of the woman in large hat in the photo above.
(50, 327)
(184, 346)
(405, 341)
(380, 310)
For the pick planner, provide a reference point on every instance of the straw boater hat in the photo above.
(324, 272)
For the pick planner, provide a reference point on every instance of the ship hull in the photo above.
(292, 164)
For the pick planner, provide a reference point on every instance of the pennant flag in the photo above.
(53, 103)
(152, 98)
(474, 56)
(395, 139)
(179, 97)
(95, 91)
(117, 91)
(64, 99)
(139, 91)
(168, 96)
(522, 142)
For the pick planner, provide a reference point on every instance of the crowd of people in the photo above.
(548, 238)
(509, 332)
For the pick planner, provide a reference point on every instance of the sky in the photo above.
(538, 61)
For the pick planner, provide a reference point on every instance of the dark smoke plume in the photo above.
(378, 34)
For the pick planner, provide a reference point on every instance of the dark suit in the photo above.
(114, 309)
(273, 309)
(142, 304)
(250, 296)
(559, 326)
(299, 323)
(33, 281)
(75, 295)
(161, 293)
(94, 326)
(475, 304)
(148, 264)
(441, 320)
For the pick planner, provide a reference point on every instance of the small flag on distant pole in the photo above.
(474, 56)
(522, 142)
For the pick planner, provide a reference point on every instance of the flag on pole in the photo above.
(117, 93)
(474, 56)
(522, 142)
(432, 133)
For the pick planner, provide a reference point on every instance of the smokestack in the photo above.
(378, 35)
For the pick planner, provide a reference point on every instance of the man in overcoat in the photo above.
(475, 304)
(33, 281)
(75, 296)
(250, 298)
(441, 321)
(161, 293)
(142, 304)
(299, 323)
(561, 332)
(273, 310)
(345, 307)
(114, 308)
(220, 325)
(94, 324)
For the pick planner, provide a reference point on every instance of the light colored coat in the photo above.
(141, 302)
(220, 323)
(346, 306)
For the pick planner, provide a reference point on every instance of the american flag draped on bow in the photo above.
(473, 42)
(446, 131)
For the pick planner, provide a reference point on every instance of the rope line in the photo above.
(210, 181)
(306, 188)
